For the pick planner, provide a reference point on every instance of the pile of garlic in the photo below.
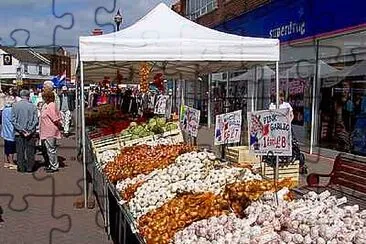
(314, 219)
(192, 172)
(223, 229)
(107, 156)
(124, 184)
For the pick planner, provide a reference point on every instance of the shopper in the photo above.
(283, 104)
(25, 120)
(49, 86)
(49, 131)
(7, 133)
(2, 102)
(66, 106)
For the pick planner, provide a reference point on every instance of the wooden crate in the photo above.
(241, 154)
(290, 171)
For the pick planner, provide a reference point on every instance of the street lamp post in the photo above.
(118, 19)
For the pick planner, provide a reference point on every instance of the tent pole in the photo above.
(83, 132)
(227, 91)
(313, 100)
(256, 84)
(276, 175)
(77, 115)
(277, 87)
(209, 101)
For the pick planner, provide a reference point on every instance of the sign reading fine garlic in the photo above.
(270, 131)
(228, 128)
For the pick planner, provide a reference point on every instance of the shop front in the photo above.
(323, 67)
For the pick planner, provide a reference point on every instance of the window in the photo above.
(40, 70)
(342, 94)
(25, 68)
(197, 8)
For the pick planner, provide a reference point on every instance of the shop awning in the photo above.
(255, 73)
(173, 45)
(306, 70)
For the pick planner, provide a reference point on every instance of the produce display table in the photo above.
(158, 190)
(118, 222)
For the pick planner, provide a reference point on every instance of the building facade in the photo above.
(23, 66)
(322, 67)
(60, 60)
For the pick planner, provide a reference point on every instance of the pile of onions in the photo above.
(142, 159)
(160, 225)
(240, 194)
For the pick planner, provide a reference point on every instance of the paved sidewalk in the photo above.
(31, 213)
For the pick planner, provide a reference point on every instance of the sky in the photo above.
(43, 22)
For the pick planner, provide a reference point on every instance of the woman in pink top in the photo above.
(50, 122)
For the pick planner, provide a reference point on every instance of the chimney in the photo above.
(97, 32)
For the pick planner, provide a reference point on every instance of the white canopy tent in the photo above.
(173, 45)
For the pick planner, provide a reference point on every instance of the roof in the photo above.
(26, 55)
(174, 45)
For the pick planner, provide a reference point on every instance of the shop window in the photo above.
(343, 94)
(40, 70)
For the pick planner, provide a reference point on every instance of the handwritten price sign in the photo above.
(228, 128)
(190, 120)
(161, 105)
(270, 131)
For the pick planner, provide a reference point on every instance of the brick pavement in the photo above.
(44, 219)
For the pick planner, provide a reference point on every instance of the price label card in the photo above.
(270, 131)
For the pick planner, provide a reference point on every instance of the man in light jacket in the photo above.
(25, 120)
(66, 108)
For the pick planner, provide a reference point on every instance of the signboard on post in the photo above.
(270, 131)
(228, 128)
(161, 105)
(190, 120)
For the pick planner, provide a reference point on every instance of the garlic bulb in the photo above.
(107, 156)
(316, 218)
(168, 182)
(192, 172)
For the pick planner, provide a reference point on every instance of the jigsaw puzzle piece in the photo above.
(20, 37)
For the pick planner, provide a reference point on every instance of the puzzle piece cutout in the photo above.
(22, 36)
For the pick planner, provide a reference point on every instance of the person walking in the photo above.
(25, 120)
(7, 133)
(66, 106)
(2, 102)
(49, 131)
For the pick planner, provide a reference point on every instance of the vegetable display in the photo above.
(192, 172)
(153, 127)
(177, 194)
(160, 225)
(142, 159)
(316, 218)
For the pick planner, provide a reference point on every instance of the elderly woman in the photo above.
(8, 134)
(50, 122)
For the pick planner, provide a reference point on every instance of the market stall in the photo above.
(157, 189)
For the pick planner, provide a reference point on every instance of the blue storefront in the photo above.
(323, 51)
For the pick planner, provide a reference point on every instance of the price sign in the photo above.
(190, 120)
(228, 128)
(161, 105)
(270, 131)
